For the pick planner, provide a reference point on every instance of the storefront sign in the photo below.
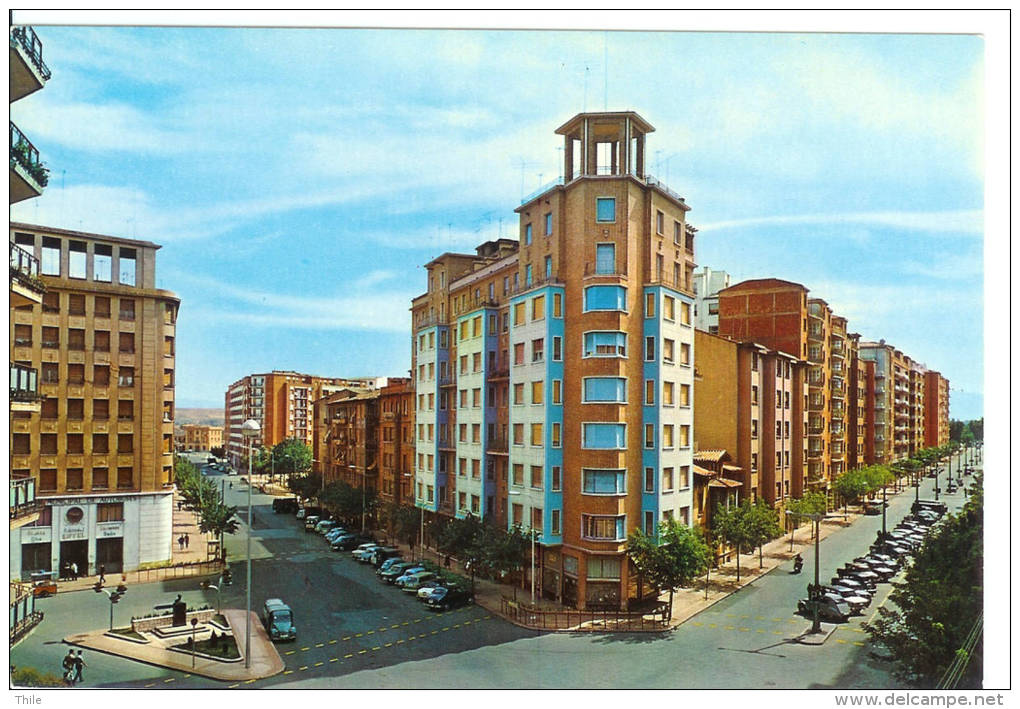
(110, 529)
(73, 531)
(36, 535)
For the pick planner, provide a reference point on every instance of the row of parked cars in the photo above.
(850, 591)
(438, 590)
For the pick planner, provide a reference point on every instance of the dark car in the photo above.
(391, 574)
(348, 541)
(829, 610)
(377, 557)
(446, 598)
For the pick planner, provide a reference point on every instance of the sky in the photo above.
(299, 179)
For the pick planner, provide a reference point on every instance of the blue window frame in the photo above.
(603, 482)
(527, 234)
(605, 344)
(598, 389)
(527, 275)
(605, 209)
(604, 436)
(605, 298)
(548, 223)
(605, 258)
(548, 266)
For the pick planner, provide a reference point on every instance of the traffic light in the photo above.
(114, 597)
(98, 588)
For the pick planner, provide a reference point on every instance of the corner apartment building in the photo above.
(751, 406)
(707, 284)
(281, 401)
(100, 447)
(549, 372)
(882, 449)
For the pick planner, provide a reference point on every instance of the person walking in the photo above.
(65, 571)
(180, 542)
(102, 574)
(74, 570)
(79, 664)
(187, 540)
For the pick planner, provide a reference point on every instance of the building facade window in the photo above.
(596, 481)
(605, 209)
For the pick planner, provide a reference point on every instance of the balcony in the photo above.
(499, 372)
(26, 286)
(24, 506)
(497, 445)
(25, 389)
(28, 175)
(28, 70)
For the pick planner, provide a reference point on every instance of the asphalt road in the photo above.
(355, 632)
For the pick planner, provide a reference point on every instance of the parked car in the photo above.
(847, 580)
(446, 598)
(388, 563)
(414, 582)
(310, 522)
(397, 570)
(854, 599)
(349, 541)
(363, 549)
(382, 554)
(868, 578)
(332, 535)
(427, 587)
(326, 525)
(829, 610)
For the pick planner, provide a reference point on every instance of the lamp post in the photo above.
(250, 429)
(816, 517)
(194, 629)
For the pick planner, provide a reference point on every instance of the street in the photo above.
(356, 632)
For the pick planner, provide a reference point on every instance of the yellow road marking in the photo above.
(777, 632)
(759, 617)
(388, 645)
(744, 630)
(304, 649)
(370, 632)
(362, 652)
(778, 620)
(286, 672)
(745, 616)
(357, 635)
(711, 625)
(290, 652)
(444, 629)
(302, 668)
(230, 687)
(318, 644)
(348, 655)
(457, 625)
(249, 681)
(319, 664)
(169, 680)
(435, 632)
(759, 631)
(396, 625)
(840, 641)
(729, 627)
(346, 638)
(697, 623)
(417, 620)
(399, 642)
(422, 635)
(858, 643)
(332, 642)
(334, 659)
(375, 648)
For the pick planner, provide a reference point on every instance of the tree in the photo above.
(851, 486)
(305, 486)
(929, 628)
(463, 537)
(291, 457)
(506, 551)
(672, 561)
(810, 503)
(730, 525)
(218, 518)
(977, 428)
(404, 522)
(762, 525)
(956, 429)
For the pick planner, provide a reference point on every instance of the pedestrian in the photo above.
(179, 503)
(102, 573)
(68, 665)
(74, 570)
(180, 542)
(79, 664)
(65, 571)
(187, 540)
(231, 484)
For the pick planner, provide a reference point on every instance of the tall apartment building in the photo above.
(281, 401)
(936, 410)
(882, 449)
(28, 74)
(531, 359)
(751, 405)
(916, 396)
(101, 445)
(860, 405)
(707, 284)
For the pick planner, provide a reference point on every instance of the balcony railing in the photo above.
(497, 444)
(653, 181)
(23, 153)
(23, 497)
(24, 383)
(29, 41)
(547, 186)
(25, 267)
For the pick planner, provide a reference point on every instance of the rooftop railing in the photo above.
(29, 41)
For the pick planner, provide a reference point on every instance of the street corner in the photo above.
(819, 638)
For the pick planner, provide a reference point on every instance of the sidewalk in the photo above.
(265, 660)
(184, 522)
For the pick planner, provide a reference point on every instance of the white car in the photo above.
(363, 550)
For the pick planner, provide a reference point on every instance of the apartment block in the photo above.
(860, 405)
(369, 438)
(882, 449)
(936, 410)
(707, 284)
(751, 406)
(100, 446)
(202, 438)
(549, 369)
(281, 401)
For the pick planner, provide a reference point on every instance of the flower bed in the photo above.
(141, 625)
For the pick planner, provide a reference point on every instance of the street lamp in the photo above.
(205, 585)
(114, 596)
(813, 593)
(250, 429)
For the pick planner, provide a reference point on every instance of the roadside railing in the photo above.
(586, 621)
(196, 568)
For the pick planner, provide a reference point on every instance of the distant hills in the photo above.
(202, 417)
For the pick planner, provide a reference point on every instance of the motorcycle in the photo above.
(798, 564)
